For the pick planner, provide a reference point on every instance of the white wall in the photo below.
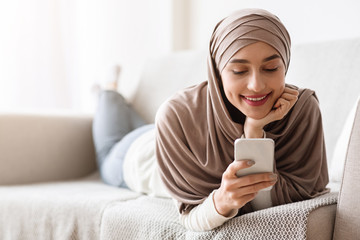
(306, 20)
(52, 51)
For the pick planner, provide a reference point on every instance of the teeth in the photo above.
(255, 99)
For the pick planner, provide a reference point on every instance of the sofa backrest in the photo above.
(164, 76)
(330, 68)
(45, 147)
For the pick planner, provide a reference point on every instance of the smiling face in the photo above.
(253, 79)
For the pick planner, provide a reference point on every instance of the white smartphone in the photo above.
(260, 150)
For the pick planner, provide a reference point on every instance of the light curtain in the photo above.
(52, 52)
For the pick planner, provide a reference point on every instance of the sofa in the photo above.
(51, 188)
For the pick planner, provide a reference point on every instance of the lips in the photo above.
(256, 100)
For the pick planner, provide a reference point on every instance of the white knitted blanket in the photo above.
(154, 218)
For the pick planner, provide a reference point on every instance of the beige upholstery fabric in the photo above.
(347, 225)
(37, 148)
(167, 72)
(317, 66)
(58, 210)
(324, 217)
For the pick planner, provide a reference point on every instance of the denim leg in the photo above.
(112, 168)
(113, 120)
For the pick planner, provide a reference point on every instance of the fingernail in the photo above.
(273, 177)
(250, 162)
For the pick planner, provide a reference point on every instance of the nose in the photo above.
(255, 83)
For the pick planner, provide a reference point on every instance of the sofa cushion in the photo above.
(58, 210)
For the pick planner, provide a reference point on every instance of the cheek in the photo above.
(277, 82)
(226, 80)
(279, 88)
(229, 87)
(232, 89)
(227, 84)
(231, 84)
(228, 90)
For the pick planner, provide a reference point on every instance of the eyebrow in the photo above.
(271, 58)
(237, 60)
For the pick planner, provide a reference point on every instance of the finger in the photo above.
(235, 166)
(291, 91)
(285, 104)
(255, 178)
(255, 188)
(284, 108)
(292, 99)
(282, 104)
(289, 96)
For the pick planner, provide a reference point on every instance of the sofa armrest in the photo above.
(37, 148)
(347, 222)
(325, 217)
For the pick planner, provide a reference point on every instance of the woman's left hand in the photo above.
(253, 128)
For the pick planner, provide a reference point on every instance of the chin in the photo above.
(257, 115)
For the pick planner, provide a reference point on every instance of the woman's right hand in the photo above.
(235, 192)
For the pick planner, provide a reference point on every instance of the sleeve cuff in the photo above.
(204, 217)
(264, 135)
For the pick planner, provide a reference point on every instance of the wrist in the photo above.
(253, 128)
(220, 210)
(254, 133)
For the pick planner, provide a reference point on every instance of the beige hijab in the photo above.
(197, 127)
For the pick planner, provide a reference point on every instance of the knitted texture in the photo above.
(154, 218)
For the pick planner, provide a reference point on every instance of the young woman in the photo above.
(245, 96)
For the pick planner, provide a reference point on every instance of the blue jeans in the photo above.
(116, 125)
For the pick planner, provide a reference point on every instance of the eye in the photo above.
(239, 72)
(271, 69)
